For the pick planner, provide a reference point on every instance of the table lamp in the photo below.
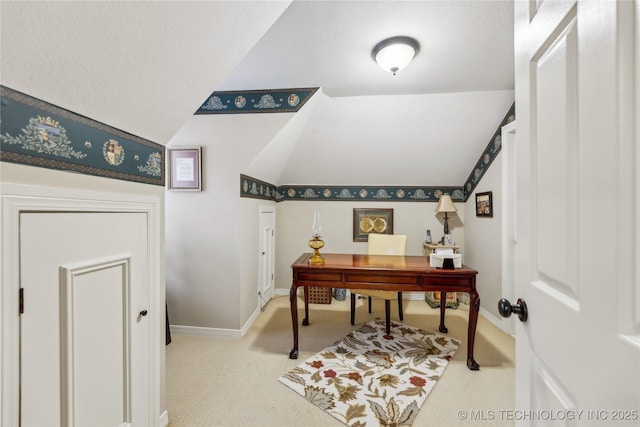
(316, 242)
(445, 204)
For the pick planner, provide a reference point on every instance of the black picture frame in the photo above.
(367, 221)
(484, 204)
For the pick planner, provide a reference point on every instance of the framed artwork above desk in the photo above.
(367, 221)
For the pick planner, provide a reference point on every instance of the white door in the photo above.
(578, 354)
(266, 275)
(84, 333)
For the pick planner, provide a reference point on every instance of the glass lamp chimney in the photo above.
(316, 228)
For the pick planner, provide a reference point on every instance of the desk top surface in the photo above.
(409, 263)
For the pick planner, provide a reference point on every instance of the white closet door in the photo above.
(85, 345)
(267, 253)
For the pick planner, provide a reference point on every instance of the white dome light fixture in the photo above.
(395, 53)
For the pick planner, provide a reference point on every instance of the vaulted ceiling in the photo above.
(145, 67)
(427, 125)
(465, 46)
(140, 66)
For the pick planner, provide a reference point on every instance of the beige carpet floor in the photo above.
(234, 382)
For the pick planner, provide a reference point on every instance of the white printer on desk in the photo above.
(436, 259)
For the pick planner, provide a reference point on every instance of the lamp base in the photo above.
(316, 259)
(316, 243)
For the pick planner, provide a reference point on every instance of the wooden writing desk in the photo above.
(384, 272)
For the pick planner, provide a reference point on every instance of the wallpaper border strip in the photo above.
(488, 155)
(256, 101)
(366, 193)
(37, 133)
(257, 189)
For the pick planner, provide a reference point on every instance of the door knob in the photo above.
(505, 308)
(143, 313)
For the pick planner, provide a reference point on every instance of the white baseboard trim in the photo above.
(250, 321)
(163, 420)
(491, 318)
(413, 296)
(205, 332)
(215, 332)
(281, 292)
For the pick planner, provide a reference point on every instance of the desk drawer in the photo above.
(319, 277)
(444, 281)
(375, 278)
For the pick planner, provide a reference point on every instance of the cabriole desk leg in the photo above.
(305, 321)
(293, 301)
(443, 307)
(474, 308)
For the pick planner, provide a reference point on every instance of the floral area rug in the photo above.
(369, 378)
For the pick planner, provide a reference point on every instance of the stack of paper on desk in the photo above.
(444, 251)
(437, 258)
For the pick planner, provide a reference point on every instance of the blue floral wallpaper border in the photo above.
(489, 154)
(36, 133)
(254, 188)
(256, 101)
(366, 193)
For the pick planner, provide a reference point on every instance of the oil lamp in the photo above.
(316, 243)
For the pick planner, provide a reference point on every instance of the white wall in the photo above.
(483, 240)
(30, 175)
(294, 220)
(211, 255)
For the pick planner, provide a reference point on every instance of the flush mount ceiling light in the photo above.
(395, 53)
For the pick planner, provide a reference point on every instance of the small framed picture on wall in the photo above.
(184, 165)
(484, 204)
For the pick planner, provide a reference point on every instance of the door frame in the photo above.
(18, 198)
